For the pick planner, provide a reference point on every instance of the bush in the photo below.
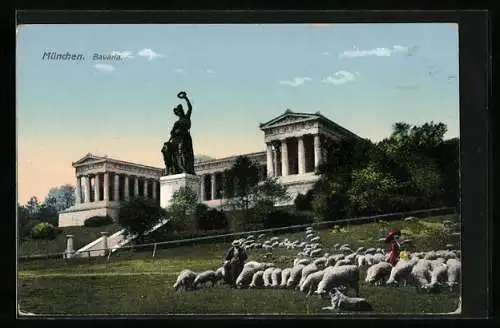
(44, 230)
(98, 221)
(209, 218)
(304, 202)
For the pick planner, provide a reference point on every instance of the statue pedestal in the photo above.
(171, 183)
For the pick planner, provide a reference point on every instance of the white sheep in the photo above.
(316, 252)
(345, 275)
(308, 269)
(301, 261)
(311, 282)
(205, 277)
(251, 264)
(421, 273)
(220, 273)
(343, 262)
(371, 250)
(257, 280)
(320, 261)
(276, 278)
(431, 255)
(285, 275)
(315, 239)
(361, 261)
(378, 272)
(267, 277)
(185, 280)
(346, 303)
(438, 275)
(246, 275)
(454, 271)
(295, 275)
(401, 272)
(378, 257)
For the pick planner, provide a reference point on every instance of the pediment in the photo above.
(288, 117)
(89, 158)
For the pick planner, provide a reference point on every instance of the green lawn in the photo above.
(81, 237)
(94, 286)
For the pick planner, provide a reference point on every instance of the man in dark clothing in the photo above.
(235, 257)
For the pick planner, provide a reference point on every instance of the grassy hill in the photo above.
(135, 283)
(81, 237)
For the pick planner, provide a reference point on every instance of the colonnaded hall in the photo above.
(292, 151)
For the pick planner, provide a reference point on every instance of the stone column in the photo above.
(78, 191)
(212, 186)
(270, 166)
(153, 189)
(106, 187)
(145, 187)
(117, 188)
(284, 158)
(202, 188)
(86, 185)
(97, 188)
(275, 161)
(301, 155)
(105, 242)
(136, 186)
(69, 246)
(317, 150)
(126, 188)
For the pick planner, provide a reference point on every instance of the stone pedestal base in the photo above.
(171, 183)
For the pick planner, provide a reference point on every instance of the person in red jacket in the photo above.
(395, 247)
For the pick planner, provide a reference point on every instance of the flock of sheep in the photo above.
(314, 271)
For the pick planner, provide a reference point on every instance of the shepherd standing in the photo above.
(236, 257)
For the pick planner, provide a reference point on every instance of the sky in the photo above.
(364, 77)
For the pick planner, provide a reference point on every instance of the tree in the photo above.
(267, 195)
(140, 215)
(32, 205)
(61, 197)
(184, 201)
(240, 182)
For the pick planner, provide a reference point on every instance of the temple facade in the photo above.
(292, 152)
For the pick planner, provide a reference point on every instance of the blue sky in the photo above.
(365, 77)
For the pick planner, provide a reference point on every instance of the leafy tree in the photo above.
(240, 183)
(183, 205)
(266, 195)
(61, 197)
(47, 213)
(32, 205)
(139, 215)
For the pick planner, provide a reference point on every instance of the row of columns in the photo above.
(272, 158)
(84, 182)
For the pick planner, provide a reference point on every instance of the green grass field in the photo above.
(135, 283)
(81, 237)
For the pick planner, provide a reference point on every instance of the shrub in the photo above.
(280, 218)
(98, 221)
(210, 218)
(44, 230)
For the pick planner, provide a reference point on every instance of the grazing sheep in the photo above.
(454, 271)
(267, 276)
(377, 257)
(345, 275)
(371, 250)
(421, 273)
(295, 275)
(311, 282)
(185, 280)
(205, 277)
(343, 262)
(251, 264)
(257, 280)
(378, 273)
(401, 272)
(246, 275)
(285, 275)
(369, 259)
(361, 261)
(276, 278)
(308, 269)
(316, 252)
(438, 276)
(320, 261)
(315, 239)
(343, 302)
(301, 261)
(432, 255)
(345, 250)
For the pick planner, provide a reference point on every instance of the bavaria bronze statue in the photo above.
(178, 152)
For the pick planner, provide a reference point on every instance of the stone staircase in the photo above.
(114, 242)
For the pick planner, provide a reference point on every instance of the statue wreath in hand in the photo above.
(178, 152)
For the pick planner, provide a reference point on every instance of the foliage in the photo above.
(32, 205)
(266, 195)
(139, 215)
(44, 230)
(304, 202)
(183, 205)
(210, 218)
(282, 218)
(61, 197)
(98, 221)
(240, 183)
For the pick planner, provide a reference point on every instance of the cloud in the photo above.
(149, 54)
(122, 54)
(104, 67)
(296, 81)
(340, 77)
(209, 71)
(179, 70)
(378, 52)
(326, 53)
